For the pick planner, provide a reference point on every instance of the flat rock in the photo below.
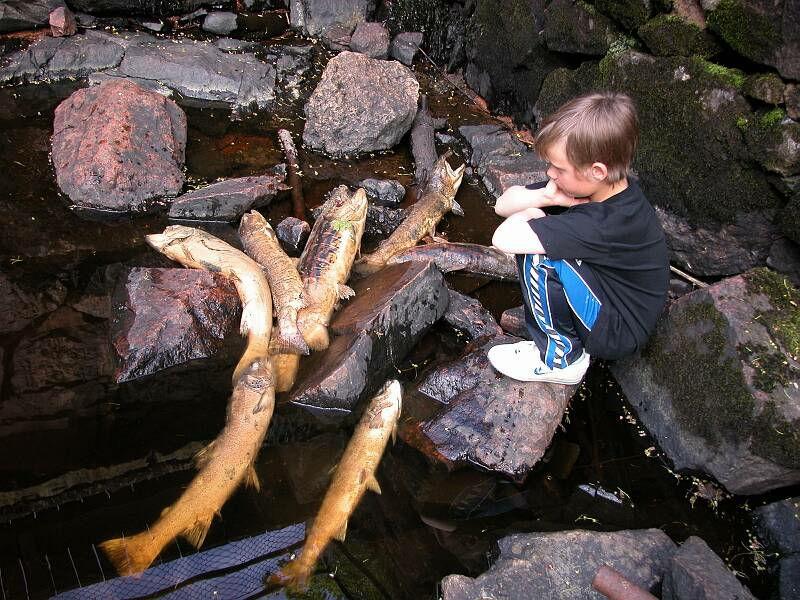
(562, 565)
(391, 311)
(118, 147)
(386, 191)
(227, 200)
(166, 317)
(488, 420)
(16, 15)
(405, 46)
(715, 386)
(220, 22)
(468, 316)
(374, 118)
(21, 303)
(315, 16)
(371, 39)
(697, 573)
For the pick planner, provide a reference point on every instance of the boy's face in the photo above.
(578, 183)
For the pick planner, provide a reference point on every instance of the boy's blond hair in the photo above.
(601, 127)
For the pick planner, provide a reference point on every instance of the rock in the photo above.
(774, 141)
(779, 524)
(721, 250)
(678, 288)
(21, 303)
(62, 22)
(792, 99)
(227, 200)
(16, 15)
(468, 316)
(391, 311)
(715, 385)
(371, 39)
(789, 582)
(766, 87)
(118, 147)
(315, 16)
(142, 7)
(697, 573)
(383, 220)
(405, 46)
(563, 564)
(337, 38)
(489, 420)
(513, 321)
(293, 233)
(234, 45)
(672, 35)
(789, 218)
(219, 22)
(166, 317)
(577, 28)
(153, 25)
(762, 30)
(147, 84)
(386, 191)
(374, 116)
(629, 13)
(784, 257)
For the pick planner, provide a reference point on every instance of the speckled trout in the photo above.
(437, 200)
(354, 475)
(200, 250)
(327, 259)
(262, 245)
(224, 464)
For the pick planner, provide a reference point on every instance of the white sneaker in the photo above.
(524, 363)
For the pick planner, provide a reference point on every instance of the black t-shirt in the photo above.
(622, 240)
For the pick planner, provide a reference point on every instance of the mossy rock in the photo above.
(672, 35)
(692, 157)
(774, 141)
(631, 14)
(761, 30)
(577, 28)
(789, 218)
(766, 87)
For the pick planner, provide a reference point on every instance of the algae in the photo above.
(726, 75)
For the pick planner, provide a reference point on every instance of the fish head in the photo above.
(255, 221)
(174, 234)
(391, 400)
(443, 178)
(347, 207)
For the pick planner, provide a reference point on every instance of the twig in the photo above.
(289, 150)
(688, 277)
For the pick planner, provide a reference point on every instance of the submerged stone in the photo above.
(468, 316)
(227, 200)
(405, 46)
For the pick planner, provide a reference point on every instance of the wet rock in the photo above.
(62, 22)
(405, 46)
(697, 573)
(577, 28)
(391, 311)
(371, 39)
(21, 303)
(715, 385)
(779, 524)
(386, 191)
(562, 565)
(766, 87)
(166, 317)
(227, 200)
(118, 147)
(153, 25)
(383, 220)
(293, 233)
(234, 45)
(489, 420)
(337, 38)
(147, 84)
(513, 321)
(219, 22)
(722, 250)
(374, 118)
(16, 15)
(468, 316)
(784, 256)
(203, 72)
(142, 7)
(315, 16)
(51, 59)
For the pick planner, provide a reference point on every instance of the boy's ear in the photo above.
(598, 171)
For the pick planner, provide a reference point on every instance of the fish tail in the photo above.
(251, 478)
(132, 555)
(257, 350)
(293, 575)
(288, 340)
(314, 333)
(196, 533)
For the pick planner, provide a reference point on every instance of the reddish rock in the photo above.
(20, 304)
(513, 321)
(165, 317)
(62, 22)
(118, 147)
(468, 315)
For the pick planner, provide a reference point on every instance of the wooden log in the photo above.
(423, 147)
(292, 176)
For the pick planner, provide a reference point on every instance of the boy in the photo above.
(594, 278)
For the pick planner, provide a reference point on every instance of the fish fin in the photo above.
(257, 350)
(203, 456)
(164, 512)
(314, 333)
(372, 484)
(251, 478)
(342, 533)
(394, 434)
(333, 468)
(288, 343)
(293, 575)
(457, 209)
(344, 291)
(131, 555)
(196, 533)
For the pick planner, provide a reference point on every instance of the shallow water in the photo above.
(428, 523)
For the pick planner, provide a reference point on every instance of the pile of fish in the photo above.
(305, 297)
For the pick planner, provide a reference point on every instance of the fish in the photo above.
(262, 245)
(285, 367)
(327, 259)
(437, 199)
(476, 259)
(353, 476)
(200, 250)
(223, 465)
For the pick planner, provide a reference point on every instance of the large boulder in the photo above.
(779, 525)
(577, 28)
(360, 105)
(716, 385)
(563, 564)
(391, 311)
(118, 147)
(227, 200)
(26, 14)
(315, 16)
(141, 7)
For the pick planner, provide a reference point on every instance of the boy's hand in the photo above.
(515, 199)
(555, 197)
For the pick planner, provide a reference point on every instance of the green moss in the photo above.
(777, 438)
(672, 35)
(770, 365)
(742, 123)
(629, 13)
(773, 117)
(783, 322)
(727, 75)
(747, 31)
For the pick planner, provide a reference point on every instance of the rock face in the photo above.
(696, 572)
(391, 311)
(227, 200)
(488, 420)
(578, 29)
(315, 16)
(142, 7)
(166, 317)
(779, 525)
(405, 46)
(26, 14)
(715, 384)
(22, 304)
(562, 565)
(371, 39)
(374, 113)
(118, 147)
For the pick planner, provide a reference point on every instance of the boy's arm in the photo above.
(518, 198)
(515, 236)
